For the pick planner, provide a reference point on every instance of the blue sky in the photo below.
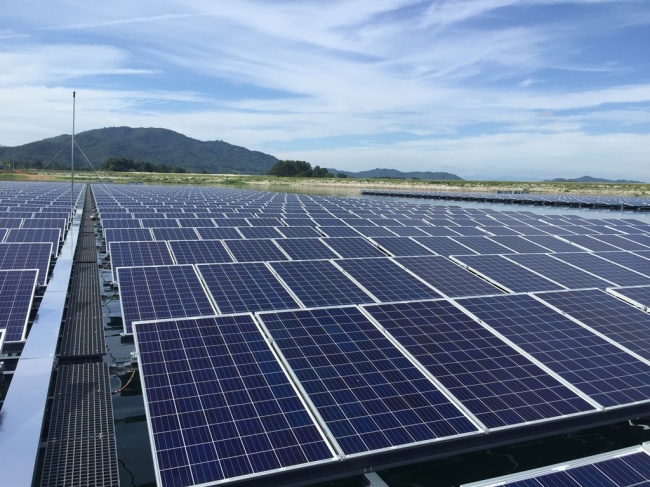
(486, 89)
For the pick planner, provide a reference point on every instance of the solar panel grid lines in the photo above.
(255, 250)
(35, 235)
(369, 394)
(400, 246)
(17, 288)
(638, 296)
(246, 287)
(248, 418)
(132, 254)
(353, 247)
(614, 320)
(518, 244)
(161, 292)
(488, 378)
(603, 268)
(607, 374)
(638, 261)
(18, 256)
(199, 251)
(627, 467)
(570, 277)
(386, 280)
(307, 249)
(506, 274)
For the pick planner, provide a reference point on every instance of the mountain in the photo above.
(395, 174)
(154, 145)
(589, 179)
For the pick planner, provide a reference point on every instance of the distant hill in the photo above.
(394, 173)
(154, 145)
(589, 179)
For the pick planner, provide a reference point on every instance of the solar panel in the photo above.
(306, 249)
(409, 231)
(620, 242)
(560, 272)
(465, 231)
(11, 222)
(159, 222)
(553, 244)
(219, 405)
(442, 232)
(231, 222)
(27, 256)
(619, 468)
(35, 235)
(603, 371)
(340, 231)
(605, 269)
(243, 287)
(590, 244)
(374, 231)
(386, 280)
(444, 246)
(351, 247)
(639, 296)
(17, 289)
(608, 315)
(370, 396)
(507, 274)
(401, 246)
(161, 292)
(199, 251)
(298, 232)
(447, 277)
(319, 283)
(254, 250)
(633, 261)
(195, 222)
(518, 244)
(210, 233)
(173, 233)
(126, 222)
(496, 383)
(482, 245)
(126, 235)
(131, 254)
(259, 232)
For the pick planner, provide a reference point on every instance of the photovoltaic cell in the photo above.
(126, 235)
(447, 277)
(386, 280)
(209, 233)
(623, 323)
(35, 235)
(560, 272)
(630, 260)
(259, 232)
(27, 256)
(591, 244)
(638, 295)
(320, 283)
(16, 295)
(308, 249)
(339, 231)
(494, 381)
(603, 268)
(598, 368)
(352, 247)
(219, 405)
(172, 233)
(199, 251)
(508, 274)
(553, 244)
(243, 287)
(131, 254)
(368, 393)
(401, 246)
(518, 244)
(444, 246)
(298, 232)
(254, 250)
(161, 292)
(482, 245)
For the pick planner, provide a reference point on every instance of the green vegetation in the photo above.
(125, 165)
(299, 169)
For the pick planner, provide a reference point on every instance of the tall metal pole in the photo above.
(72, 156)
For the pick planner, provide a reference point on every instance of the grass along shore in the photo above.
(294, 184)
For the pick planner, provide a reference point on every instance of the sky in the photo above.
(485, 89)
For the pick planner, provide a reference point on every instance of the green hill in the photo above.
(154, 145)
(590, 179)
(395, 174)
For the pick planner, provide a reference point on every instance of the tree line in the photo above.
(121, 164)
(300, 169)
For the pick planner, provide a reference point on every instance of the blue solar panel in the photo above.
(231, 222)
(249, 286)
(447, 277)
(27, 256)
(619, 468)
(590, 244)
(172, 233)
(259, 232)
(496, 383)
(553, 244)
(351, 247)
(161, 292)
(298, 232)
(341, 231)
(482, 245)
(320, 283)
(386, 280)
(16, 295)
(195, 222)
(374, 231)
(130, 254)
(560, 272)
(507, 274)
(617, 274)
(35, 235)
(370, 396)
(199, 251)
(444, 246)
(159, 222)
(126, 222)
(598, 368)
(401, 246)
(621, 242)
(409, 231)
(254, 250)
(127, 235)
(210, 233)
(518, 244)
(608, 315)
(639, 296)
(11, 222)
(637, 261)
(219, 404)
(307, 249)
(442, 232)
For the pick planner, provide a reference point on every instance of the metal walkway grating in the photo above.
(81, 440)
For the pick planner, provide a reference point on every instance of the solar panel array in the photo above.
(385, 324)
